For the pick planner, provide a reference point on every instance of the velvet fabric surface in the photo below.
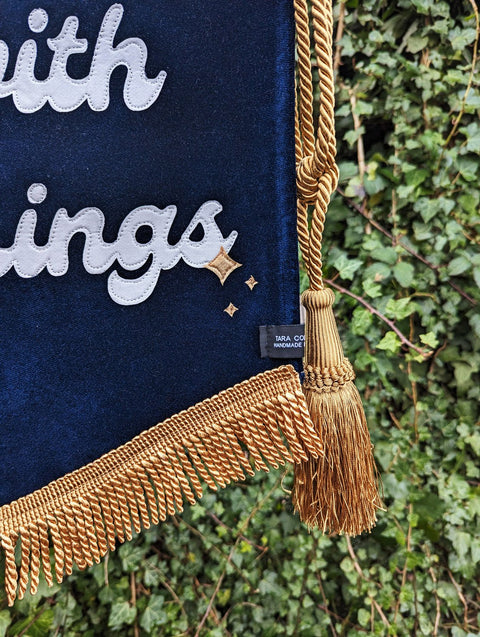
(79, 373)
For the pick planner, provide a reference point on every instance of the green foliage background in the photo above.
(403, 238)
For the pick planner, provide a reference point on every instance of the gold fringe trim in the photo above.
(84, 513)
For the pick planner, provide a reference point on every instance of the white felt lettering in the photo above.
(29, 259)
(65, 93)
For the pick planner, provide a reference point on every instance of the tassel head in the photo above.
(338, 491)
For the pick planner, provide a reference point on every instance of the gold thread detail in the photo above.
(231, 309)
(223, 265)
(251, 282)
(328, 379)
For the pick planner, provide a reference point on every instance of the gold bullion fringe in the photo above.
(263, 421)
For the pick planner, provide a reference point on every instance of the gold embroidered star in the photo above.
(223, 265)
(231, 309)
(251, 282)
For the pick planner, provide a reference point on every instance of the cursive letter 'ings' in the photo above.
(29, 259)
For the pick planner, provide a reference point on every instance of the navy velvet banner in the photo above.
(146, 149)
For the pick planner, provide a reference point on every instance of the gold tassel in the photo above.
(338, 492)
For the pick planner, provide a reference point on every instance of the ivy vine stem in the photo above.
(405, 341)
(397, 242)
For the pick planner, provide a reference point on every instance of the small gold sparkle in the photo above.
(223, 265)
(251, 282)
(231, 309)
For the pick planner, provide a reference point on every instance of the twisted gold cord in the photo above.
(317, 171)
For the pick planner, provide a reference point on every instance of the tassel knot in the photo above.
(318, 299)
(329, 378)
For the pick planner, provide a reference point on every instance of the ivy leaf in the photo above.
(132, 556)
(390, 342)
(469, 201)
(5, 621)
(416, 43)
(364, 617)
(475, 320)
(458, 266)
(347, 267)
(422, 6)
(416, 177)
(429, 339)
(362, 320)
(461, 542)
(463, 374)
(468, 167)
(378, 271)
(371, 288)
(154, 615)
(473, 100)
(404, 273)
(122, 613)
(461, 38)
(400, 308)
(473, 143)
(474, 442)
(387, 255)
(351, 136)
(37, 626)
(476, 275)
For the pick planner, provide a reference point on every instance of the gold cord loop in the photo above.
(317, 172)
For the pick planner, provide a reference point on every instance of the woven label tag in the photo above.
(282, 341)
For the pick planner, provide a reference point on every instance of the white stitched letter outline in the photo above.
(65, 94)
(28, 259)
